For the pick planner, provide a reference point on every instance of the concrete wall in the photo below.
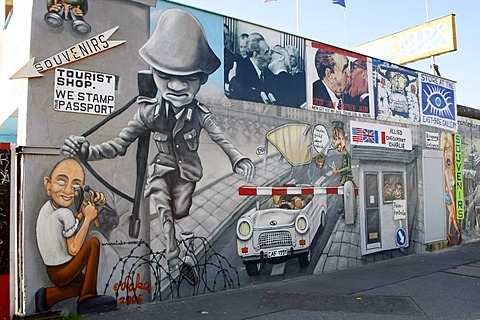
(284, 140)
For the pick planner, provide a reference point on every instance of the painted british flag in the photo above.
(364, 135)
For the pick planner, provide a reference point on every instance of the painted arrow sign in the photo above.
(77, 52)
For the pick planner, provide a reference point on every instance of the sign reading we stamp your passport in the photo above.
(84, 92)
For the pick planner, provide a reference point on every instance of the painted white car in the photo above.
(273, 233)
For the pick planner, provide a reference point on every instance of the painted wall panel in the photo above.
(435, 224)
(194, 174)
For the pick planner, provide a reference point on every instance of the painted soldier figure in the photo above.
(181, 60)
(340, 143)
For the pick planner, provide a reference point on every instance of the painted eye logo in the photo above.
(438, 102)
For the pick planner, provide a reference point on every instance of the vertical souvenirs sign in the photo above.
(438, 102)
(5, 160)
(459, 201)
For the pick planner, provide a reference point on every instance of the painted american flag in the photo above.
(364, 135)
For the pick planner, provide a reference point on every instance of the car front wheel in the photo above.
(323, 220)
(253, 268)
(304, 259)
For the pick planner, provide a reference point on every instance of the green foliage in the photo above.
(72, 316)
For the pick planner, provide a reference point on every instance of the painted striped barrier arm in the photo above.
(270, 191)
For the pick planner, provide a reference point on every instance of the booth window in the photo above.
(393, 187)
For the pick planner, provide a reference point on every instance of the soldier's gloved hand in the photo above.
(74, 145)
(246, 168)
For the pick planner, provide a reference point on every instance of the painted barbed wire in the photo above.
(218, 265)
(212, 269)
(130, 264)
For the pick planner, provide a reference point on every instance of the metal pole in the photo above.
(433, 65)
(426, 9)
(345, 25)
(298, 32)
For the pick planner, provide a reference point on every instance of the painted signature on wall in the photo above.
(131, 286)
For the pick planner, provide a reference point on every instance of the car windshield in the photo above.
(292, 202)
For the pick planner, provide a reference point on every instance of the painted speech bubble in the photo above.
(321, 141)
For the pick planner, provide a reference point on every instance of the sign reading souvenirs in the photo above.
(371, 134)
(459, 199)
(76, 52)
(84, 91)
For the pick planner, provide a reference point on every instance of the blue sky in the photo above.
(367, 20)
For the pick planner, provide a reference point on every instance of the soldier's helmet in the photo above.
(178, 45)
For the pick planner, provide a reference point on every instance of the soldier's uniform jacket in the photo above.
(177, 139)
(346, 168)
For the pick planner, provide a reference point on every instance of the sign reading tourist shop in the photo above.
(370, 134)
(84, 92)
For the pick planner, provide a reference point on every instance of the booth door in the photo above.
(384, 205)
(372, 211)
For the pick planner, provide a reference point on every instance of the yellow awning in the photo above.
(293, 141)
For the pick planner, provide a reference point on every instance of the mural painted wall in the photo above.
(184, 152)
(6, 236)
(470, 134)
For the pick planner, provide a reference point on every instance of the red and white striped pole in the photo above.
(271, 191)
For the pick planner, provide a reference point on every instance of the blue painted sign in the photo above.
(438, 102)
(401, 237)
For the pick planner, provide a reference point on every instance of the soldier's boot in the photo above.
(189, 268)
(55, 15)
(78, 24)
(171, 247)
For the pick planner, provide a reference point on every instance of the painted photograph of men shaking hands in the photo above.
(263, 65)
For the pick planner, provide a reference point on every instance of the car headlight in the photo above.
(301, 224)
(244, 229)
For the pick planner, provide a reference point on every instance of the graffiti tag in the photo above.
(131, 286)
